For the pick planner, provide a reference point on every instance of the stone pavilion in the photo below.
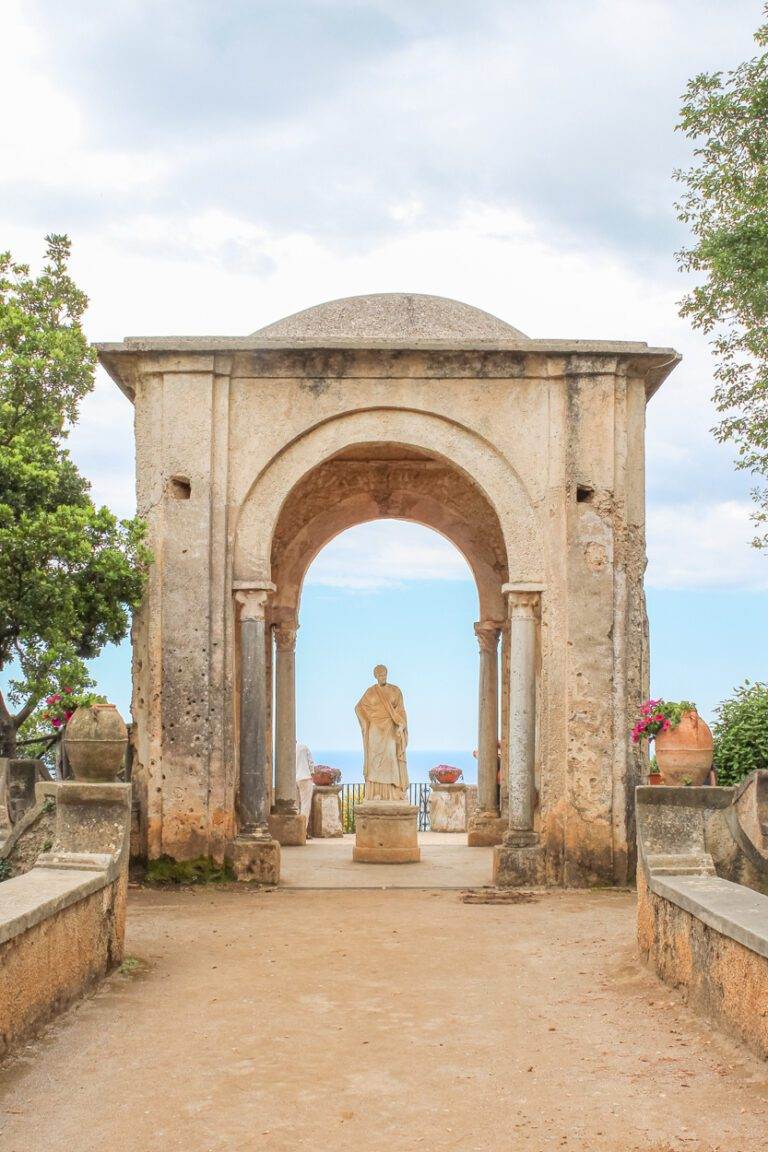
(528, 454)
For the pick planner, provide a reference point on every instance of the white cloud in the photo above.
(702, 546)
(512, 155)
(386, 554)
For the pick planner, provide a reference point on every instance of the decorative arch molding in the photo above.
(296, 544)
(465, 450)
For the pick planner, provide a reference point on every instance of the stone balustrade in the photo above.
(62, 923)
(699, 930)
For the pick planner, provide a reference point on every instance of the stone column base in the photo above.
(326, 811)
(288, 828)
(518, 862)
(256, 860)
(386, 832)
(486, 829)
(448, 808)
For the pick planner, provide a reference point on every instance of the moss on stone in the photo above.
(202, 870)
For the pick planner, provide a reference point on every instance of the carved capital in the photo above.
(488, 632)
(253, 603)
(523, 605)
(285, 637)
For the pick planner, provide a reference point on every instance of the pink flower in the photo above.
(56, 722)
(68, 691)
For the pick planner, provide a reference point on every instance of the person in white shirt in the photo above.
(305, 766)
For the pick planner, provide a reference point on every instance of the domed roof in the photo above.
(391, 316)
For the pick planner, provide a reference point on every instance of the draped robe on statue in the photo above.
(381, 713)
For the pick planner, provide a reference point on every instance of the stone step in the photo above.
(693, 864)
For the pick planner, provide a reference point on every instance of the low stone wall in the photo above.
(701, 932)
(62, 924)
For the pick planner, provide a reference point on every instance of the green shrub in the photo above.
(741, 733)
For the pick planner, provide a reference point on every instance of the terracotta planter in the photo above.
(445, 775)
(654, 778)
(325, 777)
(684, 753)
(95, 742)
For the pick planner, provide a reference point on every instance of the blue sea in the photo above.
(350, 761)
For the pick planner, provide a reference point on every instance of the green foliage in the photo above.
(741, 733)
(349, 798)
(202, 870)
(726, 206)
(70, 573)
(5, 870)
(130, 966)
(674, 710)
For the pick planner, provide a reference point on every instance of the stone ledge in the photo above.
(667, 796)
(29, 899)
(729, 909)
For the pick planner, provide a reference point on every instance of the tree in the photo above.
(726, 207)
(70, 573)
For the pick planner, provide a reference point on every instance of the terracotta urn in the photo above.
(324, 777)
(445, 774)
(95, 743)
(684, 753)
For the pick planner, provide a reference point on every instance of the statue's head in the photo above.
(380, 672)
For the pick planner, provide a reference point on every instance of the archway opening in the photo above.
(400, 594)
(387, 553)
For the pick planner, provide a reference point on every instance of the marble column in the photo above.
(285, 708)
(254, 796)
(522, 709)
(256, 854)
(487, 633)
(519, 860)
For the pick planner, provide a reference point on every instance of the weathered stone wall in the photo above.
(48, 967)
(62, 923)
(549, 448)
(720, 977)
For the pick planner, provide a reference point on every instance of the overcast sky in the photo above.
(219, 165)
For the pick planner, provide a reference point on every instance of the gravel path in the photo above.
(396, 1020)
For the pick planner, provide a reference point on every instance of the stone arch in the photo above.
(503, 544)
(360, 486)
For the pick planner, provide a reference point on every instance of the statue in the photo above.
(384, 726)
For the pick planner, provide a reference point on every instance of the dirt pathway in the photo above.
(382, 1020)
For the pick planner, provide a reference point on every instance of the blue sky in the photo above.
(218, 166)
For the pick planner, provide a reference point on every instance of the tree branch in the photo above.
(25, 712)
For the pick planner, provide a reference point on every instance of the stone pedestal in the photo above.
(92, 829)
(256, 859)
(288, 828)
(326, 811)
(486, 829)
(386, 833)
(448, 808)
(518, 862)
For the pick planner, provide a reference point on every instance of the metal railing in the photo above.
(352, 795)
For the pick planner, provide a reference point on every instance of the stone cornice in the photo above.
(340, 357)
